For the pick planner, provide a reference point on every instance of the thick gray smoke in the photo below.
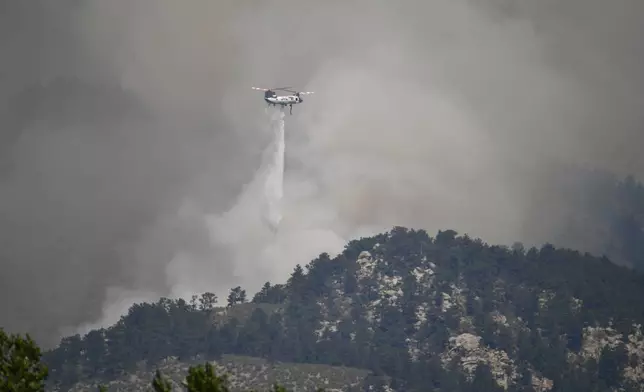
(130, 136)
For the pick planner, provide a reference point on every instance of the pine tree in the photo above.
(160, 383)
(20, 366)
(204, 379)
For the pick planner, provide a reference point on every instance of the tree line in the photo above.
(22, 370)
(283, 322)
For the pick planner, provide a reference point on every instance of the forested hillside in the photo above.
(448, 313)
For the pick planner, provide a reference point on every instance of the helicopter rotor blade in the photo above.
(282, 88)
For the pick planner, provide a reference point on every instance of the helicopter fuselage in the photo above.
(283, 100)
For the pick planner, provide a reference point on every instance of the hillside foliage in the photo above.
(333, 312)
(21, 370)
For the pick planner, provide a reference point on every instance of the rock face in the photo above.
(635, 346)
(598, 339)
(468, 348)
(471, 353)
(413, 312)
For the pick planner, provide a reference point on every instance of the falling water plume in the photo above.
(274, 181)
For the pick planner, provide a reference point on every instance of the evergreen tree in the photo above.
(208, 301)
(610, 365)
(237, 296)
(204, 379)
(484, 381)
(160, 383)
(20, 366)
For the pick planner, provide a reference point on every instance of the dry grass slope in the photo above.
(245, 374)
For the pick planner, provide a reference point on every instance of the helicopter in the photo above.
(283, 100)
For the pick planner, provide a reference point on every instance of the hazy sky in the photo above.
(130, 137)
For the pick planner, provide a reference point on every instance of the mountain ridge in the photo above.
(449, 313)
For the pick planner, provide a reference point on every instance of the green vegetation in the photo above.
(21, 370)
(20, 366)
(331, 313)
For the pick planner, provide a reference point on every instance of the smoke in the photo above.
(130, 137)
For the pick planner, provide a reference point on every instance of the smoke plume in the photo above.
(130, 137)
